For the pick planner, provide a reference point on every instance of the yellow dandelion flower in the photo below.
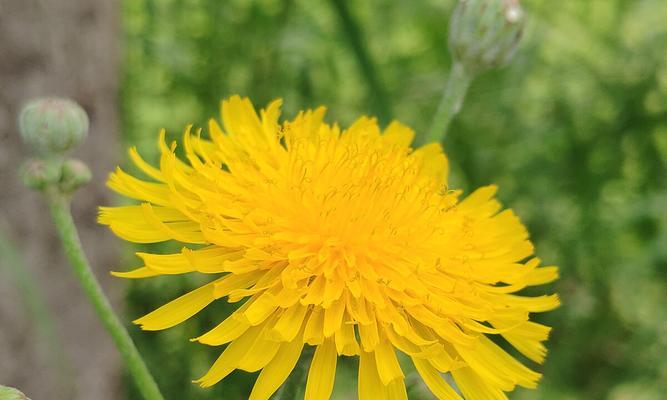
(345, 240)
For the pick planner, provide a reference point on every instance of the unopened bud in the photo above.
(7, 393)
(74, 175)
(485, 34)
(52, 126)
(37, 174)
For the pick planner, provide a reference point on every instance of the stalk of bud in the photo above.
(483, 34)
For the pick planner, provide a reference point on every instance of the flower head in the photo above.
(346, 240)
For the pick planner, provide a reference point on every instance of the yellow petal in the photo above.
(144, 166)
(401, 342)
(396, 390)
(478, 198)
(322, 372)
(230, 358)
(497, 367)
(542, 275)
(528, 338)
(275, 372)
(435, 382)
(180, 231)
(533, 304)
(475, 387)
(167, 264)
(442, 361)
(148, 224)
(315, 291)
(346, 342)
(228, 330)
(241, 120)
(313, 333)
(399, 134)
(260, 309)
(236, 281)
(444, 327)
(270, 123)
(370, 385)
(138, 273)
(333, 317)
(434, 161)
(177, 311)
(208, 260)
(127, 185)
(288, 325)
(387, 363)
(368, 334)
(261, 351)
(358, 309)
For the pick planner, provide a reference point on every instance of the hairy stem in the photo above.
(450, 104)
(59, 206)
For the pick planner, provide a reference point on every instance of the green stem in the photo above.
(450, 104)
(59, 205)
(354, 37)
(295, 386)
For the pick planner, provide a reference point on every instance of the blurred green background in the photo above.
(574, 131)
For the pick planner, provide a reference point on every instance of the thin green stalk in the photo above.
(351, 29)
(59, 206)
(450, 104)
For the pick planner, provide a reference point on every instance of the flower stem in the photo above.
(450, 104)
(59, 206)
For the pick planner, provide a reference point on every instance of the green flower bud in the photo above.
(74, 175)
(7, 393)
(53, 125)
(37, 174)
(484, 34)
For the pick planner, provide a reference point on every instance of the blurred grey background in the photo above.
(60, 48)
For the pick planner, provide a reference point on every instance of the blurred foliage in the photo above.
(574, 131)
